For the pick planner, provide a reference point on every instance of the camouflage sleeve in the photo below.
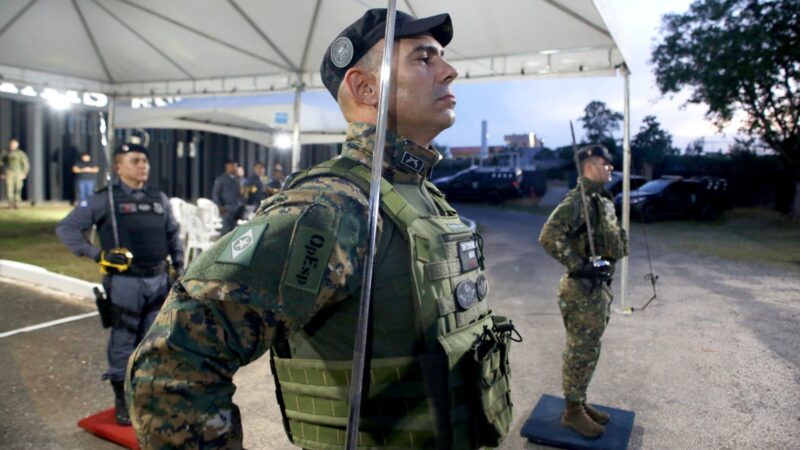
(301, 253)
(559, 230)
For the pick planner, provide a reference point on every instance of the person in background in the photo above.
(227, 194)
(584, 292)
(255, 185)
(276, 183)
(85, 171)
(15, 169)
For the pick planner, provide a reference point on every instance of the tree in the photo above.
(738, 55)
(696, 147)
(651, 143)
(599, 122)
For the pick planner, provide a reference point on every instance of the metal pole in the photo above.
(298, 92)
(584, 206)
(626, 188)
(109, 167)
(360, 347)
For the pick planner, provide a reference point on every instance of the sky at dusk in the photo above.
(546, 106)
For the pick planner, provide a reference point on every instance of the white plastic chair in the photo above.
(178, 206)
(209, 213)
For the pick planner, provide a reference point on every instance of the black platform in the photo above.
(544, 427)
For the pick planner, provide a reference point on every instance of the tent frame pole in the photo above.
(298, 94)
(626, 189)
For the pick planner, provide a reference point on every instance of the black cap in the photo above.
(594, 150)
(130, 148)
(356, 40)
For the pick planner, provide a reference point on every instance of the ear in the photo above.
(362, 85)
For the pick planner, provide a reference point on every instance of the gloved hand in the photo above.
(598, 269)
(115, 260)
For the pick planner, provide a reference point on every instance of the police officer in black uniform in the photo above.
(227, 194)
(134, 261)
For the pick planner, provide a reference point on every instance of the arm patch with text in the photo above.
(308, 258)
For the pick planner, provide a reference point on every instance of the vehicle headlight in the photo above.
(636, 200)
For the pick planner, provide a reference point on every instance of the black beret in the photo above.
(590, 150)
(129, 148)
(356, 40)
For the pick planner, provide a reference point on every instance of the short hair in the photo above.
(371, 62)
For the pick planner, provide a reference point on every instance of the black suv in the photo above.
(615, 185)
(494, 184)
(701, 198)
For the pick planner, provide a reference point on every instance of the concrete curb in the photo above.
(28, 273)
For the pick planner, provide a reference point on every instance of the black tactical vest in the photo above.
(141, 224)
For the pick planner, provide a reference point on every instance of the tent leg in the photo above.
(298, 92)
(626, 189)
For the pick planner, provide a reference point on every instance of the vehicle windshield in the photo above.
(654, 187)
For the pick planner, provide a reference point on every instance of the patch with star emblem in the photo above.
(242, 244)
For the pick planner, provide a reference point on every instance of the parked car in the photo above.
(493, 184)
(615, 185)
(701, 198)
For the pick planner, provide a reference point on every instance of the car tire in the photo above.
(495, 198)
(648, 214)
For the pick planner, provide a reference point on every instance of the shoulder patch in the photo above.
(308, 258)
(242, 244)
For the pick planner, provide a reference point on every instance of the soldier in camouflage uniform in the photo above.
(15, 168)
(584, 294)
(289, 281)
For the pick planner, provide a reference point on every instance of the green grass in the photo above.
(28, 235)
(751, 235)
(743, 234)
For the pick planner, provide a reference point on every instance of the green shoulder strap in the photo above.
(439, 199)
(392, 203)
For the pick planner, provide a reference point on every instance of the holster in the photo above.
(103, 307)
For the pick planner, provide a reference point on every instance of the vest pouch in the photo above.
(489, 360)
(476, 352)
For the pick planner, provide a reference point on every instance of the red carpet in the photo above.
(104, 425)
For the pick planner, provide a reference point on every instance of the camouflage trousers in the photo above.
(14, 183)
(585, 309)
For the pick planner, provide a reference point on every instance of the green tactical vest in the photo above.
(444, 384)
(609, 240)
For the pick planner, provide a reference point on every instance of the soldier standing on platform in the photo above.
(584, 294)
(135, 239)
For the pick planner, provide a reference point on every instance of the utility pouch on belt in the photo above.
(103, 307)
(489, 359)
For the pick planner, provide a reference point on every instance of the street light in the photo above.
(282, 141)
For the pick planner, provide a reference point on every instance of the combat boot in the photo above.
(596, 415)
(575, 417)
(121, 408)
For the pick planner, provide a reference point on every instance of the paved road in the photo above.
(713, 363)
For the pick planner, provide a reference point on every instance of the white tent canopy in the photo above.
(257, 118)
(185, 47)
(133, 48)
